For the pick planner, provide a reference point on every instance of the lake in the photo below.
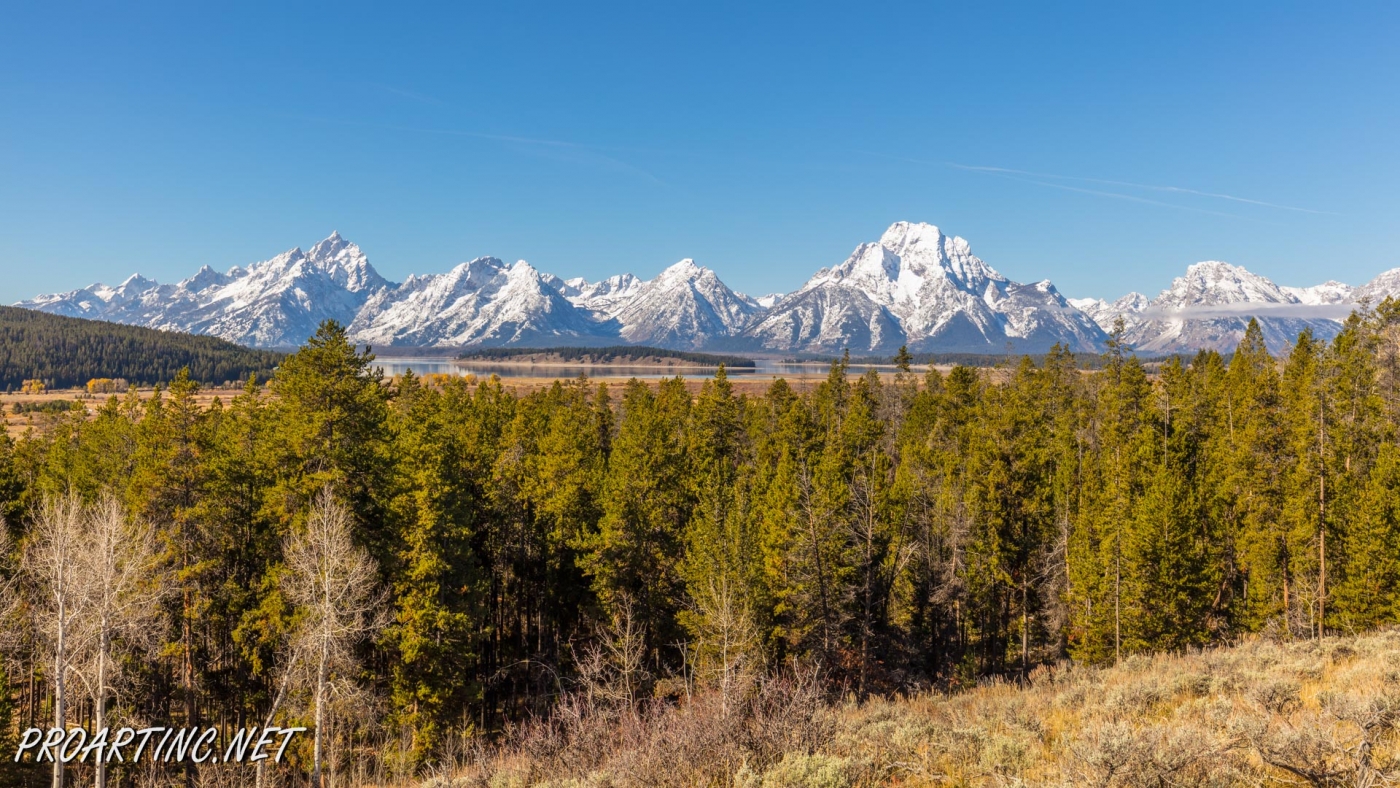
(762, 369)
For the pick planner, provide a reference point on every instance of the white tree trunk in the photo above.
(59, 666)
(320, 703)
(100, 707)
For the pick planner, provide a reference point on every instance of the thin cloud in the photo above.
(1132, 185)
(558, 150)
(1027, 176)
(422, 98)
(1118, 196)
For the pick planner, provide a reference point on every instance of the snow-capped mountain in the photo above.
(605, 297)
(1210, 307)
(915, 286)
(1386, 285)
(1104, 313)
(97, 301)
(280, 302)
(277, 302)
(482, 302)
(687, 306)
(919, 287)
(1329, 292)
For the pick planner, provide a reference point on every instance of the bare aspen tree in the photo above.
(288, 671)
(613, 669)
(54, 569)
(333, 583)
(118, 561)
(729, 650)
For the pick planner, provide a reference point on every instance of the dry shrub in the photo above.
(1266, 712)
(709, 740)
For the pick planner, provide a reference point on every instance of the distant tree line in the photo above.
(984, 360)
(605, 355)
(65, 352)
(898, 531)
(48, 406)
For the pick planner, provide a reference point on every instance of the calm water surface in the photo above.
(764, 369)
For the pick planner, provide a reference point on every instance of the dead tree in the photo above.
(122, 591)
(332, 582)
(54, 571)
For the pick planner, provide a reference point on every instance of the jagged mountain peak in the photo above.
(136, 280)
(685, 306)
(916, 284)
(1209, 307)
(204, 278)
(1329, 292)
(482, 301)
(1217, 282)
(1106, 313)
(903, 238)
(684, 268)
(921, 286)
(1386, 284)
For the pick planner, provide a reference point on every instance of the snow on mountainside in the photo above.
(915, 286)
(277, 302)
(1129, 307)
(1386, 285)
(919, 287)
(1210, 306)
(1329, 292)
(687, 306)
(482, 302)
(605, 297)
(281, 301)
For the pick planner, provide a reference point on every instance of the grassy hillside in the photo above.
(604, 355)
(69, 351)
(1261, 713)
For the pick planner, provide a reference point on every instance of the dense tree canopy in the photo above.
(67, 352)
(898, 530)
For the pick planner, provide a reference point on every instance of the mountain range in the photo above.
(915, 286)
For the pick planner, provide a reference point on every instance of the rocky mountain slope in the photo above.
(919, 287)
(1210, 306)
(274, 303)
(482, 302)
(915, 286)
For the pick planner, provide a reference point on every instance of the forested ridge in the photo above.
(65, 352)
(887, 532)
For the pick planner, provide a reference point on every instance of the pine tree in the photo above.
(723, 566)
(1123, 439)
(1305, 416)
(634, 558)
(1368, 594)
(331, 408)
(437, 606)
(1252, 484)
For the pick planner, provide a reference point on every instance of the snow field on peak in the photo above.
(915, 286)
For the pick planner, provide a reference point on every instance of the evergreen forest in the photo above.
(66, 352)
(888, 532)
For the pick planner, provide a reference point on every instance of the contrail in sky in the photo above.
(1130, 184)
(1026, 176)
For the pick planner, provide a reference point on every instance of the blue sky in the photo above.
(763, 140)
